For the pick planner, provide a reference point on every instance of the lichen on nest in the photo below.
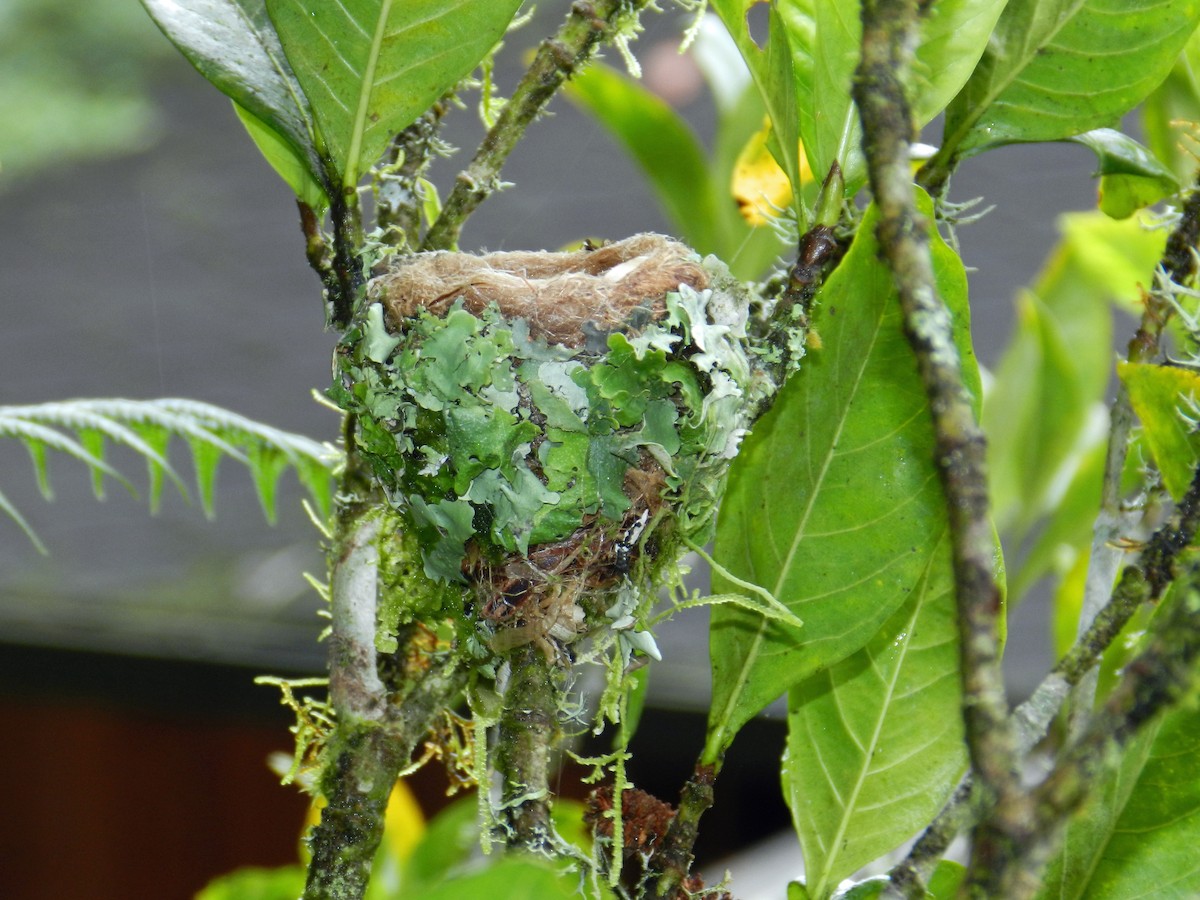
(554, 425)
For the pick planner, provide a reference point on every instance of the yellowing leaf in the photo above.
(759, 185)
(1161, 395)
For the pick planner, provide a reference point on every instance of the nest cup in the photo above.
(552, 425)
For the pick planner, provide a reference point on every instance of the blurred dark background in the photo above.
(146, 250)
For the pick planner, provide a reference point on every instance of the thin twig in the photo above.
(1154, 681)
(1143, 582)
(397, 189)
(1113, 521)
(556, 60)
(888, 28)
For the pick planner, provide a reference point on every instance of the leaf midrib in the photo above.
(364, 95)
(874, 741)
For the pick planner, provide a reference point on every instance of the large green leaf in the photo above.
(371, 67)
(834, 502)
(1057, 68)
(1062, 348)
(1036, 412)
(875, 741)
(233, 44)
(824, 39)
(1138, 835)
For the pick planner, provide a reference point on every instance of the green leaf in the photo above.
(952, 38)
(1058, 68)
(875, 741)
(256, 884)
(147, 426)
(1162, 396)
(509, 878)
(1171, 114)
(6, 506)
(370, 68)
(233, 44)
(1062, 348)
(1131, 177)
(824, 39)
(1068, 530)
(1137, 837)
(1035, 413)
(284, 159)
(834, 502)
(447, 844)
(771, 71)
(947, 878)
(266, 465)
(663, 145)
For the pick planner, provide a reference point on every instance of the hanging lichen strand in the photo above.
(555, 427)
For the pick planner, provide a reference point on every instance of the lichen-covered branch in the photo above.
(528, 734)
(1144, 582)
(888, 27)
(1157, 678)
(361, 765)
(398, 191)
(588, 23)
(379, 722)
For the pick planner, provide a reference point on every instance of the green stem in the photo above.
(556, 60)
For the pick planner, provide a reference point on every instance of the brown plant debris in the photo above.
(563, 296)
(645, 820)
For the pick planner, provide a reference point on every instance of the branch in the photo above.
(1155, 680)
(378, 724)
(888, 28)
(1141, 583)
(556, 60)
(397, 191)
(1179, 265)
(674, 860)
(527, 736)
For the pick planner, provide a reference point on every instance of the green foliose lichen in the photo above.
(486, 435)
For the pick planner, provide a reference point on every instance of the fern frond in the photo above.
(82, 429)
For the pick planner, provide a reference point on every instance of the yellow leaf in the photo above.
(759, 185)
